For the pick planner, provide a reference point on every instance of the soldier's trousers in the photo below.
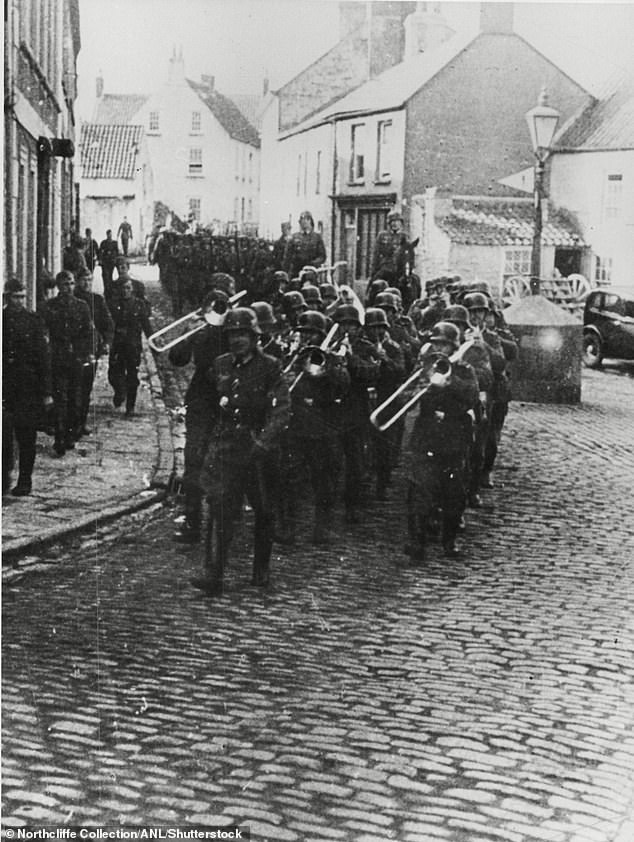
(439, 481)
(123, 374)
(67, 400)
(106, 274)
(320, 458)
(476, 462)
(499, 410)
(386, 450)
(353, 443)
(87, 381)
(25, 435)
(198, 429)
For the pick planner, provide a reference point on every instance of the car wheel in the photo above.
(592, 350)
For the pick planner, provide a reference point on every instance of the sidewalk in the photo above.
(124, 465)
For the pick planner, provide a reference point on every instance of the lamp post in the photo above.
(542, 124)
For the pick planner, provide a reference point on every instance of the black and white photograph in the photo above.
(318, 421)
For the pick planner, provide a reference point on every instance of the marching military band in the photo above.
(308, 386)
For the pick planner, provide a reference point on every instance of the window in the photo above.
(357, 153)
(603, 269)
(250, 167)
(195, 121)
(613, 194)
(299, 173)
(517, 261)
(250, 210)
(194, 208)
(195, 161)
(242, 209)
(154, 121)
(383, 140)
(318, 174)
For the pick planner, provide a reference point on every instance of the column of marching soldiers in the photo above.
(311, 384)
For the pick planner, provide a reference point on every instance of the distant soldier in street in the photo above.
(102, 340)
(388, 250)
(252, 411)
(305, 248)
(71, 333)
(125, 234)
(91, 250)
(439, 444)
(26, 385)
(131, 320)
(279, 247)
(108, 251)
(73, 255)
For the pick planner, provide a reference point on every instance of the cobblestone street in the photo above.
(485, 699)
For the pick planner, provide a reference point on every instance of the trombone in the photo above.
(317, 359)
(441, 364)
(212, 316)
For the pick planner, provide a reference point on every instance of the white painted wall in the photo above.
(579, 182)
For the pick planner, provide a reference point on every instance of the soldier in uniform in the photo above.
(312, 297)
(319, 380)
(131, 320)
(252, 403)
(305, 248)
(501, 396)
(102, 340)
(125, 233)
(108, 251)
(363, 367)
(388, 248)
(425, 312)
(202, 348)
(391, 375)
(26, 385)
(439, 444)
(91, 251)
(279, 247)
(70, 330)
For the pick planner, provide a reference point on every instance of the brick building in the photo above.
(41, 44)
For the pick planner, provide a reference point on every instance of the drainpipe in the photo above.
(335, 169)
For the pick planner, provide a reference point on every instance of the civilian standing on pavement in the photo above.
(71, 333)
(131, 320)
(26, 385)
(108, 251)
(102, 340)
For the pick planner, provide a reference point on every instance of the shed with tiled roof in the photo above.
(109, 151)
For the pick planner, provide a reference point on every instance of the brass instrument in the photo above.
(316, 358)
(441, 366)
(213, 315)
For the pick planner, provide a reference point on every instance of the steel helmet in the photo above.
(328, 292)
(241, 318)
(281, 277)
(220, 280)
(312, 320)
(394, 291)
(294, 300)
(346, 313)
(445, 332)
(311, 293)
(394, 214)
(387, 299)
(456, 313)
(264, 313)
(375, 317)
(475, 301)
(480, 286)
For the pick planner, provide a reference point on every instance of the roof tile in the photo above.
(109, 151)
(227, 113)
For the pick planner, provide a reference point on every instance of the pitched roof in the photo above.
(605, 124)
(250, 105)
(506, 222)
(227, 113)
(118, 109)
(109, 151)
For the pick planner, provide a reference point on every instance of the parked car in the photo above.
(608, 326)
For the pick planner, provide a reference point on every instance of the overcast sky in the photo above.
(239, 41)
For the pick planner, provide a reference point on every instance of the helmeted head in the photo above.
(478, 306)
(242, 330)
(347, 317)
(15, 293)
(281, 279)
(65, 282)
(312, 297)
(375, 324)
(389, 303)
(264, 313)
(376, 288)
(224, 282)
(306, 221)
(313, 326)
(395, 220)
(328, 293)
(308, 275)
(397, 295)
(458, 315)
(445, 335)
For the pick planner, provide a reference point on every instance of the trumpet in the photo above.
(213, 315)
(441, 366)
(316, 358)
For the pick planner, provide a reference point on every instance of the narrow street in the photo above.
(489, 698)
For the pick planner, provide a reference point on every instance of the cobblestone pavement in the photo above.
(485, 699)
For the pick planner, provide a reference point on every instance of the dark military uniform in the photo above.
(387, 444)
(388, 250)
(102, 340)
(305, 248)
(439, 447)
(108, 251)
(71, 333)
(131, 321)
(201, 402)
(253, 409)
(501, 395)
(91, 254)
(125, 232)
(26, 381)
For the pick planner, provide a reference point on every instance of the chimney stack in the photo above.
(425, 29)
(208, 81)
(176, 71)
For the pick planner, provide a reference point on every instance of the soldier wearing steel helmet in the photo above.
(387, 247)
(305, 247)
(390, 376)
(253, 409)
(439, 443)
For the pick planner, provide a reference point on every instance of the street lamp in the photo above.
(542, 124)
